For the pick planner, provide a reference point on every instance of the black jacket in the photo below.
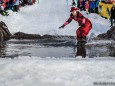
(112, 13)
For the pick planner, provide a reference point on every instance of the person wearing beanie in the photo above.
(85, 24)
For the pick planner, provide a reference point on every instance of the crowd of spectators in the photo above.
(13, 5)
(91, 6)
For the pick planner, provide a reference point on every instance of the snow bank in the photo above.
(47, 72)
(101, 42)
(46, 18)
(100, 25)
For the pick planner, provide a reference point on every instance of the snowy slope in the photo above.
(46, 17)
(47, 72)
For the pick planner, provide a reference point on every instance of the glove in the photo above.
(61, 27)
(83, 25)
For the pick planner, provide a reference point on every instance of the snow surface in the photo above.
(33, 71)
(46, 18)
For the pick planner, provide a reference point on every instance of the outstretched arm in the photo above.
(66, 23)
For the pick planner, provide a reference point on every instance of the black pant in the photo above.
(96, 10)
(92, 10)
(82, 8)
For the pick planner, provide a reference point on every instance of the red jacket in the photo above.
(84, 23)
(87, 6)
(79, 18)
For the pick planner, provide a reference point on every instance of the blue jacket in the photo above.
(92, 5)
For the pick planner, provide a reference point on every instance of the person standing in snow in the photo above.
(80, 5)
(112, 17)
(92, 6)
(2, 11)
(16, 6)
(96, 6)
(87, 7)
(83, 5)
(7, 5)
(84, 23)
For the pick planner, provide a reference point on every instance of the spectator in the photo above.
(112, 17)
(24, 2)
(6, 5)
(16, 6)
(87, 7)
(2, 11)
(92, 6)
(11, 5)
(80, 5)
(96, 6)
(83, 5)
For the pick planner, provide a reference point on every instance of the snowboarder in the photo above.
(84, 23)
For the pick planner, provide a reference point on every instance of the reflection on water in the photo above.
(81, 51)
(112, 51)
(2, 49)
(100, 51)
(19, 49)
